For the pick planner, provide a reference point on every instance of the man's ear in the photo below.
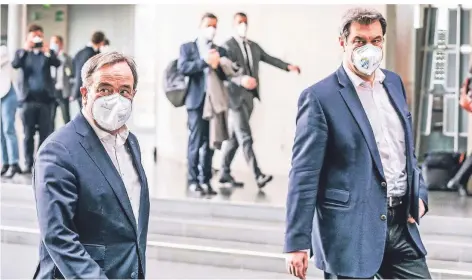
(342, 42)
(84, 93)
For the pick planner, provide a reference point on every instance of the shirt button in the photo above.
(383, 184)
(383, 217)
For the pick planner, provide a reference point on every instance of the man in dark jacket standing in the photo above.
(36, 96)
(91, 49)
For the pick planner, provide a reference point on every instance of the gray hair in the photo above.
(362, 16)
(104, 59)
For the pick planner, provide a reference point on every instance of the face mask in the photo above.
(112, 111)
(367, 59)
(209, 33)
(104, 49)
(54, 47)
(241, 29)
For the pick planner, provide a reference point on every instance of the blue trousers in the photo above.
(9, 103)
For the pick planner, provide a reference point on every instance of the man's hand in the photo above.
(213, 58)
(248, 82)
(28, 46)
(297, 264)
(294, 68)
(45, 48)
(421, 212)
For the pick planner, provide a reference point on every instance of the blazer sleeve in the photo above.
(235, 79)
(55, 188)
(273, 60)
(308, 154)
(423, 189)
(188, 66)
(19, 59)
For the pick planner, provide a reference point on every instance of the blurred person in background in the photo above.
(62, 76)
(9, 103)
(242, 91)
(36, 97)
(92, 48)
(356, 194)
(106, 46)
(195, 59)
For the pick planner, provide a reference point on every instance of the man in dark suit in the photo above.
(92, 196)
(242, 91)
(355, 192)
(62, 76)
(91, 49)
(195, 61)
(36, 94)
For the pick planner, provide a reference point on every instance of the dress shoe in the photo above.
(229, 182)
(208, 189)
(195, 188)
(262, 180)
(14, 169)
(27, 170)
(5, 168)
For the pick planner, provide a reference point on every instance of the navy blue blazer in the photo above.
(335, 199)
(87, 226)
(191, 65)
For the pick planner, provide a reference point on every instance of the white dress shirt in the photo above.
(387, 127)
(122, 160)
(241, 46)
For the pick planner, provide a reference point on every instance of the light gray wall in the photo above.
(116, 21)
(4, 20)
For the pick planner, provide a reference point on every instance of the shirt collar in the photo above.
(357, 81)
(91, 45)
(103, 135)
(241, 40)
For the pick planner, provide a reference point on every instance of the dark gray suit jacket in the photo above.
(88, 230)
(237, 93)
(67, 74)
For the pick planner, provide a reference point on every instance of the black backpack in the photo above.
(175, 85)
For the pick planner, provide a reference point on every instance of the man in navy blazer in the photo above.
(91, 191)
(195, 61)
(355, 192)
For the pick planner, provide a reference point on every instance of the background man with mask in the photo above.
(36, 94)
(90, 187)
(353, 161)
(242, 91)
(62, 76)
(194, 61)
(91, 49)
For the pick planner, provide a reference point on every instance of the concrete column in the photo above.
(15, 28)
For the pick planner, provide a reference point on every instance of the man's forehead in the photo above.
(120, 71)
(366, 30)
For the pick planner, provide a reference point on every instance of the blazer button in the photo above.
(383, 184)
(383, 217)
(134, 275)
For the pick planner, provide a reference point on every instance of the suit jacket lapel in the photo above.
(349, 94)
(99, 156)
(144, 198)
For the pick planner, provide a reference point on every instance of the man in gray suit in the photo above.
(242, 90)
(62, 76)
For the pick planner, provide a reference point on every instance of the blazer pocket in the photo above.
(336, 197)
(96, 252)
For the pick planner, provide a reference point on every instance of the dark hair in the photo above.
(208, 15)
(59, 38)
(241, 14)
(98, 37)
(106, 42)
(362, 16)
(34, 27)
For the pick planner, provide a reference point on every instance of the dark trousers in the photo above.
(199, 154)
(402, 260)
(35, 114)
(63, 103)
(240, 135)
(463, 174)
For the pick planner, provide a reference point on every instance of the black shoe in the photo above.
(208, 189)
(14, 169)
(262, 180)
(195, 190)
(5, 168)
(229, 182)
(27, 170)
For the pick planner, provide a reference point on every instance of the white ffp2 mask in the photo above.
(209, 33)
(241, 29)
(367, 58)
(112, 111)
